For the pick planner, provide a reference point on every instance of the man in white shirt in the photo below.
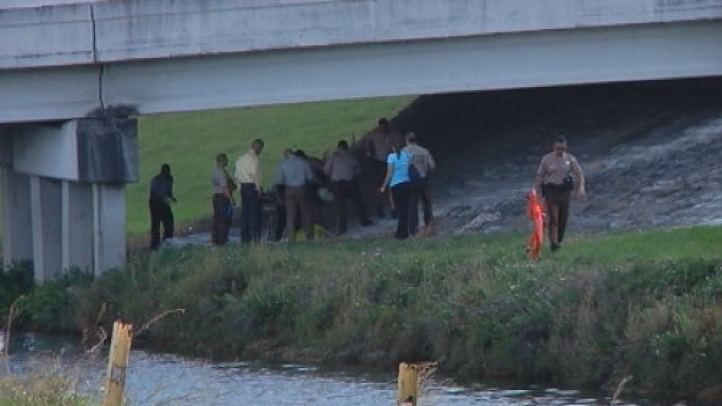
(249, 177)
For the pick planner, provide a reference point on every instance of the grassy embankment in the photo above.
(190, 141)
(645, 305)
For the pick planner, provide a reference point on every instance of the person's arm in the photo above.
(431, 164)
(223, 182)
(579, 174)
(540, 173)
(239, 169)
(257, 175)
(389, 175)
(170, 190)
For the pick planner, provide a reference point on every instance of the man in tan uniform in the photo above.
(558, 175)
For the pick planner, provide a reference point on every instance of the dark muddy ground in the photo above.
(652, 153)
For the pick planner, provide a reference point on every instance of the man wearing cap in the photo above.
(423, 162)
(558, 175)
(249, 177)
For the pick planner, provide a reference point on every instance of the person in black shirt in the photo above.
(161, 196)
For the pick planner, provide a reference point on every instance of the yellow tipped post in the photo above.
(118, 363)
(408, 386)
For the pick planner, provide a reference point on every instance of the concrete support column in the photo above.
(16, 214)
(63, 193)
(47, 227)
(109, 244)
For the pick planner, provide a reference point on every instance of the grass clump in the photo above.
(473, 303)
(46, 388)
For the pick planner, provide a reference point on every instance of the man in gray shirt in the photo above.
(424, 163)
(222, 187)
(294, 174)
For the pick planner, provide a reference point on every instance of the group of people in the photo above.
(301, 181)
(395, 163)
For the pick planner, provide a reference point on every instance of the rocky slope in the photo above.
(652, 153)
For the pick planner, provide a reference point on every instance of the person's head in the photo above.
(165, 169)
(411, 138)
(343, 145)
(222, 160)
(383, 124)
(287, 153)
(560, 145)
(300, 153)
(257, 146)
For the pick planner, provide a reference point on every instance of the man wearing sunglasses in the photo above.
(559, 175)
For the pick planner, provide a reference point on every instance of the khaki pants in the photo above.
(296, 199)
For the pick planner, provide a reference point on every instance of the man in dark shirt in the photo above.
(343, 169)
(161, 195)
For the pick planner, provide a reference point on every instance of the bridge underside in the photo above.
(533, 59)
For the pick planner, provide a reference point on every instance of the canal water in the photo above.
(161, 379)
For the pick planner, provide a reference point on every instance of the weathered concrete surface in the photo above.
(91, 150)
(110, 31)
(63, 61)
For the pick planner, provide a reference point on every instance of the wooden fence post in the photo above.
(408, 386)
(117, 363)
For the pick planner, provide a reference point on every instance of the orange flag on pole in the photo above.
(535, 211)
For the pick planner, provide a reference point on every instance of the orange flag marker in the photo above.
(535, 211)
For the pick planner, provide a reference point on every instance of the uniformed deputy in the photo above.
(559, 174)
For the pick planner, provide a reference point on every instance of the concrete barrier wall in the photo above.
(147, 29)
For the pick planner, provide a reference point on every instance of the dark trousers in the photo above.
(557, 203)
(160, 212)
(343, 191)
(377, 172)
(419, 191)
(251, 213)
(222, 212)
(400, 193)
(297, 201)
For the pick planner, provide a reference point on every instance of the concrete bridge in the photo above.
(72, 76)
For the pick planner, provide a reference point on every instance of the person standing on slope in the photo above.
(559, 175)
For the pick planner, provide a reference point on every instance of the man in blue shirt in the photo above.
(294, 174)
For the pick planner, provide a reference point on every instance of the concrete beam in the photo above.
(97, 150)
(112, 31)
(460, 64)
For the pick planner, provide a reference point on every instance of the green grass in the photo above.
(190, 141)
(645, 304)
(665, 244)
(43, 388)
